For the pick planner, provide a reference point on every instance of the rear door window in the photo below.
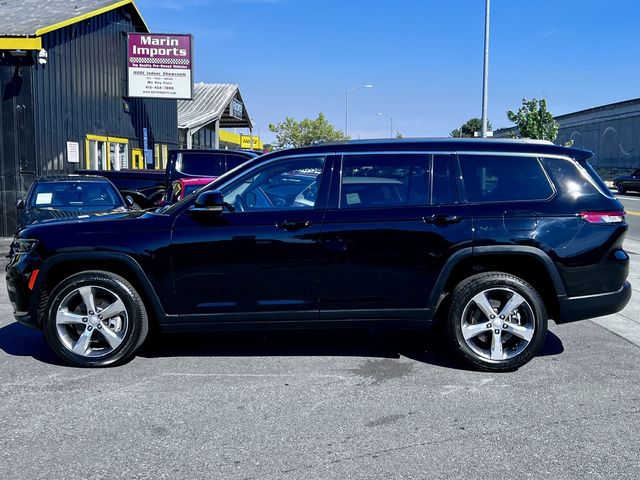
(372, 181)
(503, 178)
(444, 190)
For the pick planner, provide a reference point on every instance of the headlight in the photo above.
(23, 245)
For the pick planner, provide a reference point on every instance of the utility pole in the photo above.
(485, 71)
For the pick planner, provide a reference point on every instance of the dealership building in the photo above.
(65, 99)
(205, 121)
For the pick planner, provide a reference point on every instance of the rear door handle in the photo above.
(442, 219)
(291, 225)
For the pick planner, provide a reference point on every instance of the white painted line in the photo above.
(259, 375)
(624, 197)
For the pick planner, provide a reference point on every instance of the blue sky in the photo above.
(424, 57)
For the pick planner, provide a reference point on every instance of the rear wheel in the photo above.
(496, 321)
(621, 190)
(95, 319)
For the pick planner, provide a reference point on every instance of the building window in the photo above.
(106, 153)
(157, 161)
(165, 155)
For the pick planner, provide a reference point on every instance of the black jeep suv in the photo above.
(490, 237)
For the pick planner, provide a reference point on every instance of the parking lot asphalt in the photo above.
(330, 405)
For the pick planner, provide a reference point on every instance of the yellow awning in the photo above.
(243, 141)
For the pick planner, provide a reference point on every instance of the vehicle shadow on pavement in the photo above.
(390, 344)
(20, 341)
(426, 347)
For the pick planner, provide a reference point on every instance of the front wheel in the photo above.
(496, 321)
(621, 190)
(95, 319)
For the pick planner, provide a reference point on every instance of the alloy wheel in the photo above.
(498, 324)
(92, 321)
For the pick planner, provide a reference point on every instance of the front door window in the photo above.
(290, 184)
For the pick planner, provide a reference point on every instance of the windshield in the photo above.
(75, 196)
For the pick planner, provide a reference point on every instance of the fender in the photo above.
(122, 258)
(493, 250)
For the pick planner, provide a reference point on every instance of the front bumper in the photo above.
(591, 306)
(18, 274)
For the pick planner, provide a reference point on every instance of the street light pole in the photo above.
(380, 114)
(346, 106)
(485, 71)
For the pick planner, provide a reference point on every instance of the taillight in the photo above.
(603, 217)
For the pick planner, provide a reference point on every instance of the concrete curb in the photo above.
(626, 323)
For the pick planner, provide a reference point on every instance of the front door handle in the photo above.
(292, 225)
(442, 219)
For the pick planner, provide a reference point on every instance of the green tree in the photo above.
(291, 133)
(534, 120)
(469, 128)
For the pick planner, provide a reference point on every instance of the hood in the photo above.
(34, 215)
(126, 221)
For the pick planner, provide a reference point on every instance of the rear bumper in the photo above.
(591, 306)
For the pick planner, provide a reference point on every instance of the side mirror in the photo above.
(210, 201)
(129, 201)
(20, 204)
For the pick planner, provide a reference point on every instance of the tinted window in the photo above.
(568, 178)
(444, 190)
(189, 189)
(597, 179)
(384, 180)
(499, 178)
(234, 160)
(201, 164)
(285, 184)
(71, 196)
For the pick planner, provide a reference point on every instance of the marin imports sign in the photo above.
(160, 66)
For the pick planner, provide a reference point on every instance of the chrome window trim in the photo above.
(457, 152)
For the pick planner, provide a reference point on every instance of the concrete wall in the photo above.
(612, 132)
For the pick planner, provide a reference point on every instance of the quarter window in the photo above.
(372, 181)
(568, 178)
(496, 178)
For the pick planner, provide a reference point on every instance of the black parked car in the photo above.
(68, 196)
(490, 237)
(625, 183)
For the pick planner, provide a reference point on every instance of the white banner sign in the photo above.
(73, 152)
(160, 66)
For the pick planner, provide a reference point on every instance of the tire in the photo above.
(492, 343)
(95, 319)
(621, 190)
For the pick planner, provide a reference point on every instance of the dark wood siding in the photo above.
(82, 90)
